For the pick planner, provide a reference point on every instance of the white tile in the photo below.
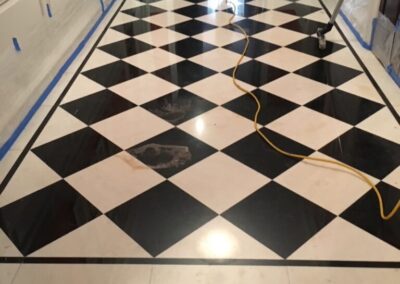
(217, 88)
(393, 178)
(174, 274)
(336, 275)
(314, 3)
(269, 4)
(87, 273)
(209, 181)
(219, 239)
(98, 238)
(171, 5)
(218, 59)
(131, 127)
(123, 18)
(8, 272)
(8, 161)
(81, 87)
(329, 186)
(362, 87)
(218, 127)
(219, 36)
(287, 59)
(309, 127)
(216, 4)
(7, 248)
(112, 36)
(280, 36)
(166, 19)
(219, 18)
(60, 124)
(32, 175)
(124, 174)
(144, 89)
(160, 37)
(153, 59)
(344, 57)
(275, 18)
(340, 240)
(318, 16)
(99, 58)
(296, 88)
(383, 124)
(129, 4)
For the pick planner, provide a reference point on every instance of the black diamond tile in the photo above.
(192, 27)
(344, 106)
(254, 152)
(98, 106)
(194, 11)
(367, 152)
(273, 107)
(256, 73)
(304, 26)
(113, 73)
(256, 47)
(278, 218)
(328, 73)
(309, 45)
(75, 151)
(161, 217)
(136, 28)
(126, 47)
(250, 26)
(149, 1)
(298, 9)
(184, 73)
(44, 216)
(246, 10)
(171, 152)
(179, 106)
(195, 1)
(365, 214)
(144, 11)
(188, 47)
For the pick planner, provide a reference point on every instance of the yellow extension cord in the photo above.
(298, 156)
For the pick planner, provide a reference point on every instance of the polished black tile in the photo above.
(250, 26)
(246, 10)
(344, 106)
(256, 73)
(365, 214)
(144, 11)
(149, 1)
(195, 1)
(75, 151)
(272, 107)
(98, 106)
(184, 73)
(192, 27)
(254, 152)
(367, 152)
(298, 9)
(328, 73)
(303, 26)
(136, 28)
(310, 46)
(188, 47)
(126, 47)
(44, 216)
(194, 11)
(278, 218)
(179, 106)
(160, 217)
(256, 47)
(171, 152)
(113, 73)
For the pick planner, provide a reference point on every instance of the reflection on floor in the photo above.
(151, 157)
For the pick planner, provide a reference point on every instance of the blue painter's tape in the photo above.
(356, 33)
(102, 6)
(394, 75)
(17, 132)
(49, 13)
(16, 44)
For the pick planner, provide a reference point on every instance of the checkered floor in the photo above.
(152, 152)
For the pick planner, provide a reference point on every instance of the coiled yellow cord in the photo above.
(298, 156)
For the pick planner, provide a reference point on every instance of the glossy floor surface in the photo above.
(151, 156)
